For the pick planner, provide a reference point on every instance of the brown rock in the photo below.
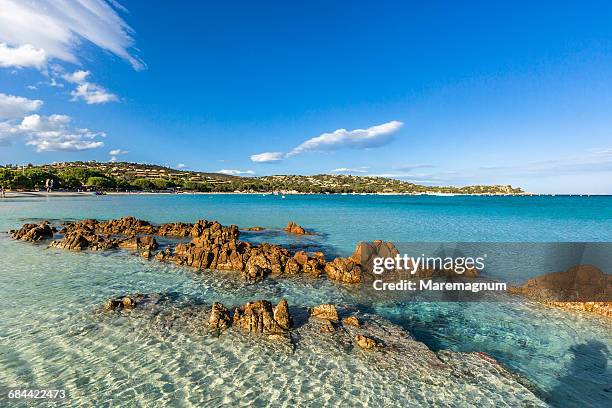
(175, 229)
(258, 317)
(325, 312)
(253, 273)
(219, 317)
(296, 229)
(367, 343)
(351, 321)
(328, 327)
(254, 229)
(282, 316)
(582, 288)
(33, 232)
(344, 270)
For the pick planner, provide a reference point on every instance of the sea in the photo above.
(52, 337)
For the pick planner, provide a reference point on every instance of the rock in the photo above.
(126, 302)
(351, 321)
(296, 229)
(176, 229)
(367, 343)
(146, 254)
(219, 317)
(253, 273)
(80, 239)
(344, 270)
(282, 316)
(325, 312)
(258, 317)
(129, 226)
(147, 243)
(327, 327)
(254, 229)
(33, 232)
(582, 288)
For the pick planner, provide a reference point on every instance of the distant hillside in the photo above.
(134, 176)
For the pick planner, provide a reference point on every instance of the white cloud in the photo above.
(117, 152)
(13, 107)
(40, 30)
(93, 94)
(25, 55)
(268, 157)
(49, 133)
(351, 170)
(236, 172)
(77, 77)
(181, 166)
(374, 136)
(89, 92)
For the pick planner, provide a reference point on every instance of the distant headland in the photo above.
(124, 176)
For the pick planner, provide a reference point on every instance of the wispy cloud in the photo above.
(181, 166)
(593, 160)
(375, 136)
(33, 32)
(236, 172)
(411, 167)
(268, 157)
(89, 92)
(349, 170)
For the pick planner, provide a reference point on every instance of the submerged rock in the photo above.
(33, 232)
(473, 376)
(132, 301)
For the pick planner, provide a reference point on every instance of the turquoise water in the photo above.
(49, 335)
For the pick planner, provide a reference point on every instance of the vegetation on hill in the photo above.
(143, 177)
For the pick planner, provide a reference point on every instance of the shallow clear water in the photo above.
(50, 335)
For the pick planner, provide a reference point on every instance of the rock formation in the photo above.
(214, 246)
(367, 343)
(219, 317)
(325, 312)
(260, 317)
(582, 288)
(33, 232)
(296, 229)
(351, 321)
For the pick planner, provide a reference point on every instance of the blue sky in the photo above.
(431, 92)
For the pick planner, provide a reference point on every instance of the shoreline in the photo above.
(44, 194)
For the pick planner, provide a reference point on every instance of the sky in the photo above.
(437, 93)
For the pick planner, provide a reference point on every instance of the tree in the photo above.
(100, 182)
(142, 184)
